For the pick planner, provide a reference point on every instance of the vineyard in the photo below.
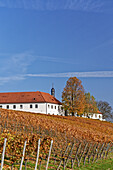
(35, 141)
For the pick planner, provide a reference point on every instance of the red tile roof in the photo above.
(99, 112)
(27, 97)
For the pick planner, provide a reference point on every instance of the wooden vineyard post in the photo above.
(82, 155)
(102, 151)
(87, 153)
(99, 151)
(107, 150)
(37, 154)
(107, 147)
(23, 155)
(78, 148)
(69, 155)
(40, 163)
(25, 164)
(89, 156)
(49, 155)
(63, 156)
(3, 153)
(96, 151)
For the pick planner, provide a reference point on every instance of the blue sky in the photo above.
(47, 41)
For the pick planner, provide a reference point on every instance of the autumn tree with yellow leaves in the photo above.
(90, 104)
(73, 97)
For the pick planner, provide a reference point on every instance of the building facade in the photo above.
(37, 102)
(97, 115)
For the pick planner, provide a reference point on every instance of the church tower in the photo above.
(53, 91)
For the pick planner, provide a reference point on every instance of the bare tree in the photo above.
(105, 108)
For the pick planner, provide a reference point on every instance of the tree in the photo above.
(90, 104)
(105, 108)
(73, 96)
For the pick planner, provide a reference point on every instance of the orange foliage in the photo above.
(79, 128)
(73, 96)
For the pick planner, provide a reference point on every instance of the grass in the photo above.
(105, 164)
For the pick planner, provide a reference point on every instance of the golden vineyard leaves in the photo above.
(79, 128)
(15, 144)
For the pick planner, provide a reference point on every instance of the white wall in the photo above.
(54, 109)
(94, 116)
(26, 107)
(45, 108)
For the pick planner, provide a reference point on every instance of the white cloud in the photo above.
(76, 74)
(89, 5)
(11, 78)
(55, 59)
(13, 66)
(95, 74)
(81, 5)
(16, 63)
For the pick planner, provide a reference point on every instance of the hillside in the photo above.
(79, 128)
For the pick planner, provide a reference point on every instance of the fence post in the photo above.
(37, 154)
(92, 151)
(87, 153)
(78, 148)
(82, 154)
(69, 154)
(63, 156)
(106, 148)
(3, 153)
(23, 155)
(49, 154)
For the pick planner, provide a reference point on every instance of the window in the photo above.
(96, 115)
(31, 106)
(7, 106)
(36, 106)
(21, 106)
(62, 109)
(48, 106)
(100, 117)
(14, 106)
(51, 106)
(0, 106)
(55, 107)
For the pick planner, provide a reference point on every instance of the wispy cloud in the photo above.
(11, 78)
(16, 63)
(81, 5)
(76, 74)
(84, 5)
(15, 66)
(106, 43)
(55, 59)
(95, 74)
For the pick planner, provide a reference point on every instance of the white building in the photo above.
(37, 102)
(98, 115)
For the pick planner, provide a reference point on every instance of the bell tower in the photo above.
(53, 91)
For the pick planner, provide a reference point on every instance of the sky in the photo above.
(44, 42)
